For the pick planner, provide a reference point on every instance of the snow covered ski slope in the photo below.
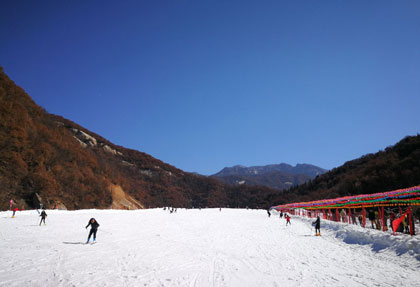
(199, 248)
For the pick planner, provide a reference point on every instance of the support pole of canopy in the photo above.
(364, 216)
(349, 215)
(410, 221)
(383, 219)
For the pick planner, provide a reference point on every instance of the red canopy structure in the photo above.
(401, 197)
(406, 197)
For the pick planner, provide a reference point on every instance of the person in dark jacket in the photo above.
(43, 215)
(93, 229)
(268, 212)
(317, 224)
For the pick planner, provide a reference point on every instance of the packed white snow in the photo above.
(232, 247)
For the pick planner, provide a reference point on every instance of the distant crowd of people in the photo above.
(171, 209)
(373, 216)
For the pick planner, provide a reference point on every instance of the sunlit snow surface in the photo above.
(199, 248)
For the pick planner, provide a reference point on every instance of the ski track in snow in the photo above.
(193, 248)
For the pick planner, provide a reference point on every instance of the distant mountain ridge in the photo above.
(278, 176)
(306, 169)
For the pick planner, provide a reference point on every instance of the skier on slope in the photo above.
(317, 224)
(94, 228)
(14, 212)
(287, 219)
(43, 215)
(268, 212)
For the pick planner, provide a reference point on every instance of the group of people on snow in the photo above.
(43, 214)
(372, 214)
(286, 216)
(377, 220)
(380, 222)
(316, 223)
(170, 209)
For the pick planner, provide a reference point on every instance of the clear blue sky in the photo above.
(206, 84)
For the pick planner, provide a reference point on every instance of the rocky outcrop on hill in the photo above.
(122, 200)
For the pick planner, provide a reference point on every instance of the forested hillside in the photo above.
(395, 167)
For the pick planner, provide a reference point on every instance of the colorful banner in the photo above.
(398, 221)
(401, 197)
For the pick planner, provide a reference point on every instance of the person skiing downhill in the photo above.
(317, 224)
(94, 228)
(268, 212)
(43, 215)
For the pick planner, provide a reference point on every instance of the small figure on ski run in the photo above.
(94, 228)
(14, 212)
(287, 219)
(43, 215)
(268, 212)
(317, 224)
(281, 214)
(343, 215)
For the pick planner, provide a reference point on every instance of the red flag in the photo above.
(398, 221)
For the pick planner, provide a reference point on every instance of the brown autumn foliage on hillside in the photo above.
(44, 157)
(37, 157)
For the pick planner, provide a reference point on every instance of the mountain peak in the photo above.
(304, 168)
(279, 176)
